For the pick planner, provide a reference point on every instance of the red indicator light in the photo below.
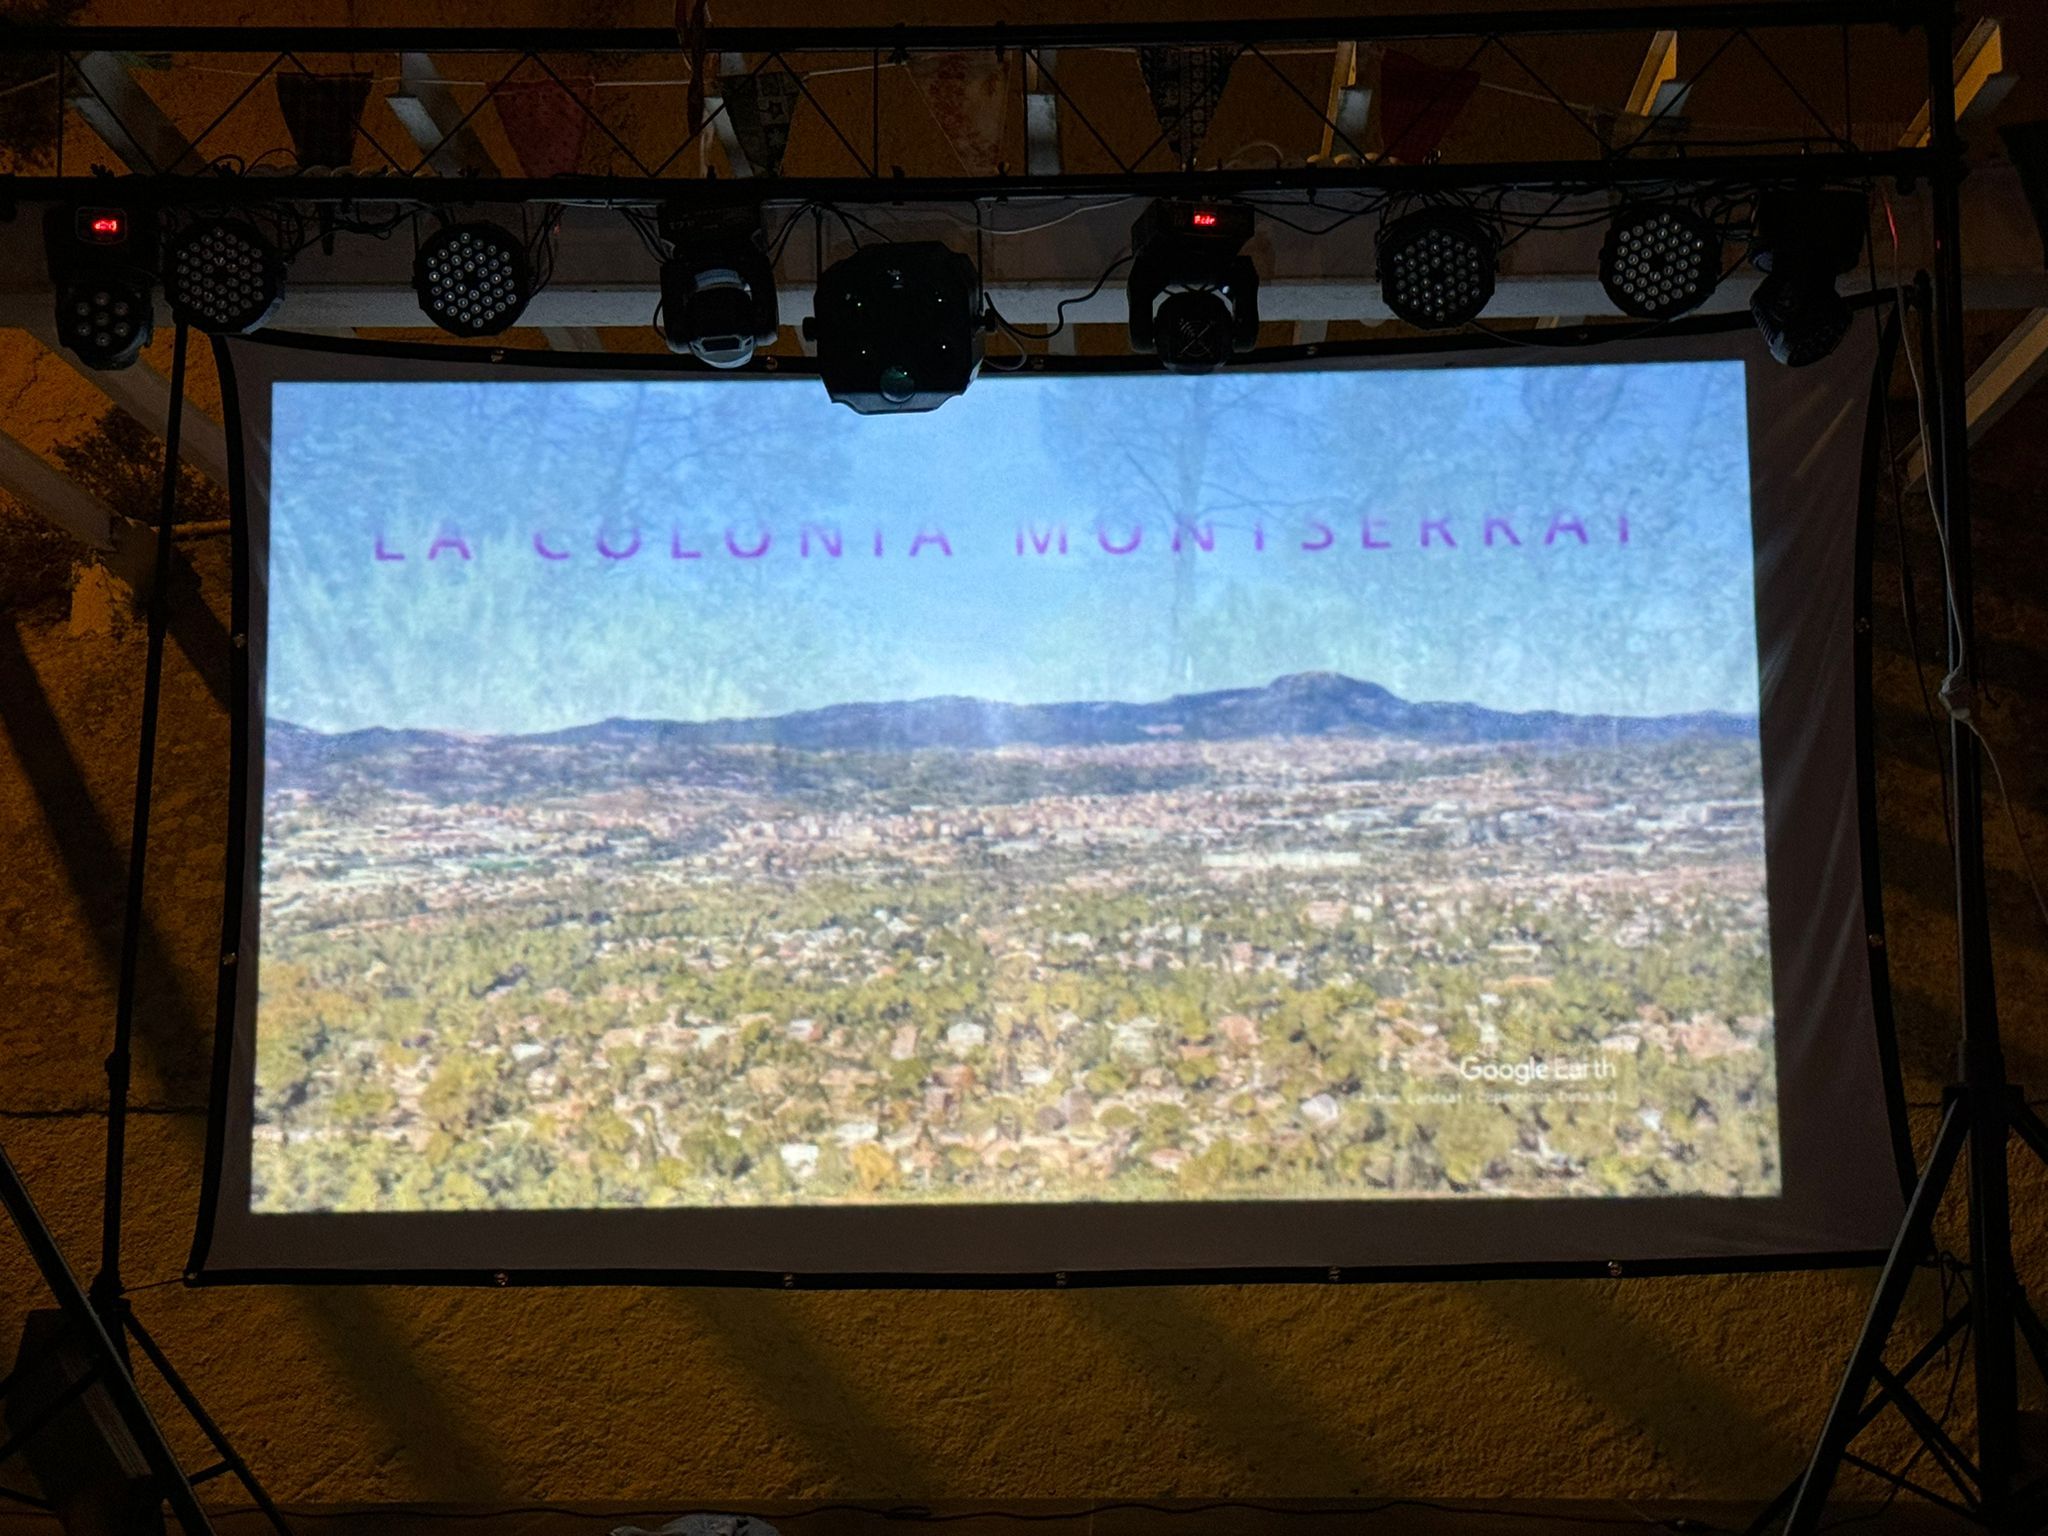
(1203, 218)
(103, 226)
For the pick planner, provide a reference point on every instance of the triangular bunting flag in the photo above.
(967, 94)
(1185, 84)
(690, 25)
(546, 123)
(761, 107)
(1419, 102)
(322, 114)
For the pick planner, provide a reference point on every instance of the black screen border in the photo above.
(238, 918)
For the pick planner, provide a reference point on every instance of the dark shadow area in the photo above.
(849, 1434)
(2008, 661)
(1231, 1391)
(95, 868)
(1919, 869)
(1687, 1405)
(197, 631)
(450, 1458)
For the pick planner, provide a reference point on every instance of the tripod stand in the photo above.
(101, 1318)
(1982, 1111)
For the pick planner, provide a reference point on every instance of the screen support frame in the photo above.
(514, 361)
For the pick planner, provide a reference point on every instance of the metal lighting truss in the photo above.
(1073, 88)
(1984, 1113)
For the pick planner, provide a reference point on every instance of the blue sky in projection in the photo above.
(525, 556)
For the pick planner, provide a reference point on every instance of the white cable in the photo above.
(1957, 696)
(1934, 502)
(2012, 819)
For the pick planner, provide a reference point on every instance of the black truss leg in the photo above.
(1846, 1417)
(230, 1458)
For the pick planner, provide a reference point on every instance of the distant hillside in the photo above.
(1305, 704)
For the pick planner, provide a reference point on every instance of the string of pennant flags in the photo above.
(547, 121)
(754, 103)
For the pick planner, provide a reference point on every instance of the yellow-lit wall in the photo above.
(1704, 1387)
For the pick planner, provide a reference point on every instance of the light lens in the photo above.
(1436, 268)
(1659, 261)
(224, 277)
(472, 279)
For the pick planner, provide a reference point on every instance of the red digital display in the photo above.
(1204, 218)
(103, 226)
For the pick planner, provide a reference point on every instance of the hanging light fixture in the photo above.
(223, 276)
(473, 279)
(1805, 240)
(1660, 260)
(1193, 293)
(1436, 267)
(718, 300)
(898, 327)
(101, 262)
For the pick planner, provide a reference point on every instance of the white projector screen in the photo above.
(1362, 819)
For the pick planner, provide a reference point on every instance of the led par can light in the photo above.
(1436, 267)
(1660, 260)
(101, 265)
(224, 276)
(473, 279)
(1805, 240)
(898, 327)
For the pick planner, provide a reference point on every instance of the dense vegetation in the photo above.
(1163, 971)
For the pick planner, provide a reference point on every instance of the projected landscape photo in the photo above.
(1045, 851)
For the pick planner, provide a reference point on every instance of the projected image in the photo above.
(1263, 786)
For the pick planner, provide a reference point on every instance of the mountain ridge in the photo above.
(1297, 704)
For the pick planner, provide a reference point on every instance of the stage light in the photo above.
(223, 276)
(1194, 294)
(473, 279)
(1804, 241)
(1436, 267)
(85, 1462)
(1660, 260)
(898, 327)
(100, 265)
(717, 287)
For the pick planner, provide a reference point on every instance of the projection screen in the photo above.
(1322, 821)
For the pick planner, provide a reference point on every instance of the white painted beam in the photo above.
(391, 304)
(125, 117)
(1041, 116)
(138, 389)
(1982, 82)
(43, 489)
(1348, 107)
(2020, 362)
(571, 304)
(719, 116)
(1660, 69)
(434, 118)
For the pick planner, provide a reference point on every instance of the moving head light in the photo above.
(1194, 294)
(717, 287)
(1805, 240)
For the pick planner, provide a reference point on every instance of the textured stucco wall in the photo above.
(1636, 1388)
